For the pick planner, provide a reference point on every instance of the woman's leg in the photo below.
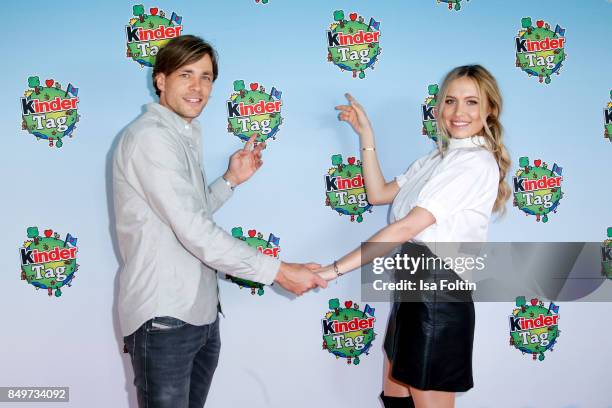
(392, 387)
(432, 399)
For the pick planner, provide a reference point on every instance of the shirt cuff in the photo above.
(221, 190)
(438, 211)
(268, 269)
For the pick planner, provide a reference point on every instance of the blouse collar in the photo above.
(473, 141)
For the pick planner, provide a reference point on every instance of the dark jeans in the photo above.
(173, 362)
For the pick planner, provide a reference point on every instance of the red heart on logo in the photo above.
(351, 160)
(153, 10)
(48, 233)
(534, 302)
(540, 23)
(537, 162)
(348, 304)
(252, 233)
(254, 86)
(49, 83)
(353, 16)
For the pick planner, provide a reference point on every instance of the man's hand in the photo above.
(299, 278)
(245, 162)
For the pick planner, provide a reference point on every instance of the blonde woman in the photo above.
(446, 196)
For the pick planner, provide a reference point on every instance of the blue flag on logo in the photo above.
(176, 18)
(557, 169)
(560, 31)
(71, 240)
(553, 307)
(369, 310)
(275, 93)
(374, 24)
(71, 89)
(273, 239)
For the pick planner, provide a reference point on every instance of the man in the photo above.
(169, 244)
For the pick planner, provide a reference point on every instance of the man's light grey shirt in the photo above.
(169, 244)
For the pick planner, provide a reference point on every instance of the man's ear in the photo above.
(160, 81)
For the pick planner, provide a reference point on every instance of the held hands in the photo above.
(299, 278)
(327, 272)
(245, 162)
(355, 115)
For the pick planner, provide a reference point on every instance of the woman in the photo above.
(446, 196)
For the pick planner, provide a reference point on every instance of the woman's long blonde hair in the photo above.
(492, 102)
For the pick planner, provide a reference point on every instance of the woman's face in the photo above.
(461, 112)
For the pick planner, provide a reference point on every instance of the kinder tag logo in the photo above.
(608, 120)
(429, 112)
(348, 332)
(255, 240)
(539, 51)
(345, 188)
(147, 33)
(533, 327)
(537, 190)
(606, 256)
(254, 112)
(456, 4)
(352, 44)
(47, 262)
(49, 112)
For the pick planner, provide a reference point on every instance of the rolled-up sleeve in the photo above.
(459, 184)
(158, 165)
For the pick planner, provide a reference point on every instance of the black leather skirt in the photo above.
(430, 341)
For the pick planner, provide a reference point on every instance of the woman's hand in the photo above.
(355, 115)
(327, 272)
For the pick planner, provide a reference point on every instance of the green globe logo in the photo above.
(452, 4)
(253, 111)
(606, 256)
(539, 51)
(353, 45)
(147, 33)
(49, 112)
(345, 188)
(608, 120)
(255, 240)
(537, 189)
(533, 327)
(347, 331)
(47, 262)
(429, 113)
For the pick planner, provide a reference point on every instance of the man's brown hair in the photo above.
(181, 51)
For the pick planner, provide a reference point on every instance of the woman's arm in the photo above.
(377, 189)
(398, 232)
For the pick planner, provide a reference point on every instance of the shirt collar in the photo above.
(172, 120)
(473, 141)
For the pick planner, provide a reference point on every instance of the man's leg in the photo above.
(204, 366)
(162, 352)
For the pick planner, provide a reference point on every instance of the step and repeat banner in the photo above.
(75, 74)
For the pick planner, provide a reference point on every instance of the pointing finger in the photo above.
(248, 146)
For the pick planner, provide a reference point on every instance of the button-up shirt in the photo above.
(169, 244)
(459, 189)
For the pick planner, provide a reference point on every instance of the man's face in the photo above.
(186, 90)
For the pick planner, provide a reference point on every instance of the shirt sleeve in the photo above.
(412, 169)
(461, 183)
(219, 192)
(158, 165)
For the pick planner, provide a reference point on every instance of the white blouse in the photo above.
(459, 190)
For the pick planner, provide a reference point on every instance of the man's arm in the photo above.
(156, 164)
